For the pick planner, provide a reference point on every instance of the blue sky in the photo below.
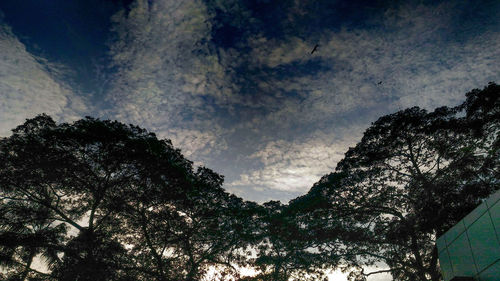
(234, 83)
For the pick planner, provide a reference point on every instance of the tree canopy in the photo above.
(413, 175)
(101, 200)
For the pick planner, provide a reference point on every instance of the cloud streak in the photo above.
(31, 85)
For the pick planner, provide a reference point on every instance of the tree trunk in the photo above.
(27, 267)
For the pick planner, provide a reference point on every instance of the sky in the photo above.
(233, 83)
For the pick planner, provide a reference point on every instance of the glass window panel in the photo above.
(454, 232)
(475, 214)
(483, 242)
(461, 257)
(493, 198)
(441, 244)
(492, 273)
(495, 217)
(444, 263)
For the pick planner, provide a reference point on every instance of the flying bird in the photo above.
(314, 49)
(379, 83)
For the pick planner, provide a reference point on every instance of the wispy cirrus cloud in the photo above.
(31, 85)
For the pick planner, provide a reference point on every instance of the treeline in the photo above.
(101, 200)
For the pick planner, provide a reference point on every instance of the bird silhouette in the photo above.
(314, 49)
(379, 83)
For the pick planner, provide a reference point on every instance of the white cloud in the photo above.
(196, 145)
(273, 52)
(30, 85)
(168, 79)
(412, 52)
(407, 58)
(165, 69)
(296, 166)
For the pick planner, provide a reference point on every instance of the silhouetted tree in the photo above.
(26, 234)
(181, 241)
(106, 201)
(100, 200)
(284, 247)
(92, 256)
(413, 176)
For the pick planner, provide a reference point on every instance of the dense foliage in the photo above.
(413, 175)
(100, 200)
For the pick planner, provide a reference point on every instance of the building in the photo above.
(470, 250)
